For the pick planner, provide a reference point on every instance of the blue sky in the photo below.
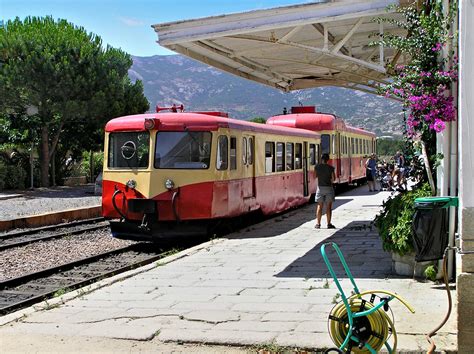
(126, 23)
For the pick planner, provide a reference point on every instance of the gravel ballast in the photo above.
(42, 255)
(41, 201)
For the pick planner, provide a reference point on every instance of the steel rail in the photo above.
(17, 287)
(25, 238)
(30, 231)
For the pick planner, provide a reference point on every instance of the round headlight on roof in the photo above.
(149, 123)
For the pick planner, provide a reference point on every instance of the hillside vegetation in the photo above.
(177, 79)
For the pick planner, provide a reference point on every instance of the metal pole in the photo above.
(32, 166)
(453, 166)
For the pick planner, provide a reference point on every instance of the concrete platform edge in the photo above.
(51, 218)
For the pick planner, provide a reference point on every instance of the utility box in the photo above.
(430, 227)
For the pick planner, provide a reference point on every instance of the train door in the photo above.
(248, 164)
(305, 169)
(338, 157)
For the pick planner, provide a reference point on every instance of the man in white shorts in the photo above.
(325, 193)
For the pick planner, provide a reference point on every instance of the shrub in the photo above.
(431, 272)
(394, 221)
(15, 177)
(97, 160)
(3, 174)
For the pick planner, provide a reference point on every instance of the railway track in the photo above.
(18, 293)
(27, 236)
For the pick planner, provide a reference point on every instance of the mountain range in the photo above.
(176, 79)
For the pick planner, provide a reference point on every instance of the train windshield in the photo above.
(183, 150)
(325, 144)
(129, 150)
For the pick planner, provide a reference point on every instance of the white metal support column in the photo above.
(465, 280)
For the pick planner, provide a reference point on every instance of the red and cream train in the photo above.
(348, 147)
(168, 173)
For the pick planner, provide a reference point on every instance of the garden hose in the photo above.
(450, 305)
(355, 324)
(373, 329)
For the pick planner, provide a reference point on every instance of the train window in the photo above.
(233, 153)
(244, 150)
(360, 146)
(129, 150)
(250, 151)
(289, 157)
(325, 144)
(298, 156)
(346, 139)
(312, 154)
(318, 153)
(183, 150)
(280, 157)
(222, 153)
(269, 157)
(352, 146)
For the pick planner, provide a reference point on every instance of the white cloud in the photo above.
(131, 22)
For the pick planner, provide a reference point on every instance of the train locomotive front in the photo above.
(171, 174)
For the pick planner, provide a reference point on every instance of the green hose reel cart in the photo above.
(362, 322)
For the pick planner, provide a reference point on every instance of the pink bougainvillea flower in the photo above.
(437, 47)
(439, 125)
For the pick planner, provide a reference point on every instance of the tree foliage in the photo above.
(389, 147)
(258, 120)
(74, 83)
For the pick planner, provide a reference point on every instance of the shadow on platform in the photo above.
(362, 250)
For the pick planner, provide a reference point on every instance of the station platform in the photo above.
(264, 287)
(47, 206)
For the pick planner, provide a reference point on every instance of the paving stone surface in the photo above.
(266, 284)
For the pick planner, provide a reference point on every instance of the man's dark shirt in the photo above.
(324, 172)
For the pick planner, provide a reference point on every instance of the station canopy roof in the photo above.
(322, 43)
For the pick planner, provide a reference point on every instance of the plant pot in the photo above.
(406, 265)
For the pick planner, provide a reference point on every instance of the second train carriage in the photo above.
(183, 171)
(348, 147)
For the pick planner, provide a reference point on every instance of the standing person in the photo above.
(370, 170)
(399, 169)
(325, 193)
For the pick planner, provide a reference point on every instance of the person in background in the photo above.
(370, 171)
(399, 169)
(325, 193)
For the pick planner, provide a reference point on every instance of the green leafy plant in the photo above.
(394, 222)
(430, 272)
(326, 284)
(61, 292)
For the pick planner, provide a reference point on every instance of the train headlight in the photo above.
(169, 184)
(131, 184)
